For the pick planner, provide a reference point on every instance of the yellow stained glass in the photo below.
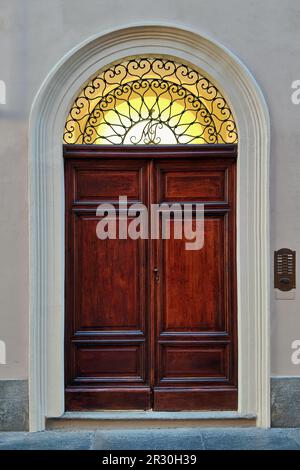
(148, 101)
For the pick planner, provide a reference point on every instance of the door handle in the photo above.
(156, 274)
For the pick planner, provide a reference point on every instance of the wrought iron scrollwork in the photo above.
(150, 101)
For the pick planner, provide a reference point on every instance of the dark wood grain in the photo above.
(196, 342)
(133, 341)
(150, 152)
(107, 291)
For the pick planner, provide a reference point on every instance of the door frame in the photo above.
(46, 207)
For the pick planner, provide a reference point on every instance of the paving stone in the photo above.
(149, 439)
(249, 439)
(155, 439)
(294, 433)
(9, 437)
(47, 440)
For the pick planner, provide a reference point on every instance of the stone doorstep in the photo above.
(147, 419)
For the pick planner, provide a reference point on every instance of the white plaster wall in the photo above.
(35, 34)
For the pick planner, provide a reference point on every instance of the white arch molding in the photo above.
(46, 193)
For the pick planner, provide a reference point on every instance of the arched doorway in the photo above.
(149, 322)
(47, 208)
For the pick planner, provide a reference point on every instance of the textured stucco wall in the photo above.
(35, 34)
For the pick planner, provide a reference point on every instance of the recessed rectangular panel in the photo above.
(103, 361)
(108, 398)
(194, 362)
(109, 280)
(194, 398)
(107, 184)
(198, 185)
(194, 281)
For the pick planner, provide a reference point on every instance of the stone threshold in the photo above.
(150, 419)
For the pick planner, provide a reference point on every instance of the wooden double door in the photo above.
(150, 324)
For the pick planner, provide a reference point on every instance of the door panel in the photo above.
(200, 185)
(107, 291)
(107, 184)
(197, 363)
(194, 282)
(101, 180)
(195, 313)
(103, 363)
(105, 300)
(193, 398)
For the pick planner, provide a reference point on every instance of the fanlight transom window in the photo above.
(147, 101)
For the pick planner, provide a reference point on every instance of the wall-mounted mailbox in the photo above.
(285, 269)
